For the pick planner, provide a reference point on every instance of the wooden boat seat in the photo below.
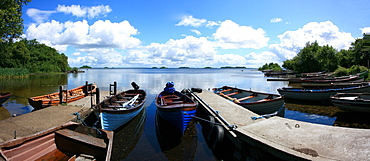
(172, 99)
(82, 138)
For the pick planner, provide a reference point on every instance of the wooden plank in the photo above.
(82, 137)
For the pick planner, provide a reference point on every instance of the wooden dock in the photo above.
(45, 118)
(285, 138)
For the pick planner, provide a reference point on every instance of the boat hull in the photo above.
(257, 102)
(68, 96)
(178, 110)
(318, 94)
(4, 97)
(113, 115)
(355, 102)
(63, 142)
(112, 121)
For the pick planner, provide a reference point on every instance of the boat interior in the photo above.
(72, 143)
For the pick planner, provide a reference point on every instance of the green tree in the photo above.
(345, 58)
(327, 58)
(313, 58)
(11, 23)
(306, 60)
(271, 66)
(361, 51)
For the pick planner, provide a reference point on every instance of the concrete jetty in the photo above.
(46, 118)
(289, 139)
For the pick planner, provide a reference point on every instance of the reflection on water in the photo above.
(173, 144)
(34, 85)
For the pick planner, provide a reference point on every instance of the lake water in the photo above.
(141, 138)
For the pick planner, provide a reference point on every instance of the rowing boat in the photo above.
(357, 102)
(257, 102)
(67, 96)
(4, 97)
(175, 107)
(119, 109)
(69, 141)
(312, 94)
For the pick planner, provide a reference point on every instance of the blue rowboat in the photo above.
(177, 108)
(119, 109)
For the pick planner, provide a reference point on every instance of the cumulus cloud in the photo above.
(230, 60)
(274, 20)
(365, 30)
(325, 33)
(82, 11)
(190, 50)
(258, 59)
(101, 34)
(38, 15)
(76, 10)
(231, 35)
(195, 22)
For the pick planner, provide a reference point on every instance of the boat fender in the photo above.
(216, 137)
(211, 122)
(199, 90)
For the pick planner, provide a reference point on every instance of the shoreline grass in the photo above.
(14, 72)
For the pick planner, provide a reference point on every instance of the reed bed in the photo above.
(13, 72)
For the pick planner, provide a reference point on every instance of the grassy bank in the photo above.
(13, 72)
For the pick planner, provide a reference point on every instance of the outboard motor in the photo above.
(135, 86)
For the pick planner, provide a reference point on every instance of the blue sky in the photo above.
(201, 33)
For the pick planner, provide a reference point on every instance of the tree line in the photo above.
(32, 55)
(315, 58)
(20, 54)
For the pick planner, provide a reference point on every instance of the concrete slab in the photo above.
(296, 138)
(46, 118)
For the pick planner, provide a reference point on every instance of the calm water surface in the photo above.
(141, 138)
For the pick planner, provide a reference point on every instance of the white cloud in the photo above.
(76, 10)
(101, 34)
(257, 60)
(196, 32)
(190, 50)
(90, 12)
(365, 30)
(76, 54)
(232, 36)
(195, 22)
(230, 60)
(274, 20)
(38, 15)
(191, 21)
(325, 33)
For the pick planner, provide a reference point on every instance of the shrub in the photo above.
(341, 71)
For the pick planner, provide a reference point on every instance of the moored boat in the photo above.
(4, 97)
(335, 79)
(333, 85)
(314, 94)
(257, 102)
(175, 107)
(356, 102)
(119, 109)
(67, 96)
(69, 141)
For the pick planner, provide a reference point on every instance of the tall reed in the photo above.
(13, 72)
